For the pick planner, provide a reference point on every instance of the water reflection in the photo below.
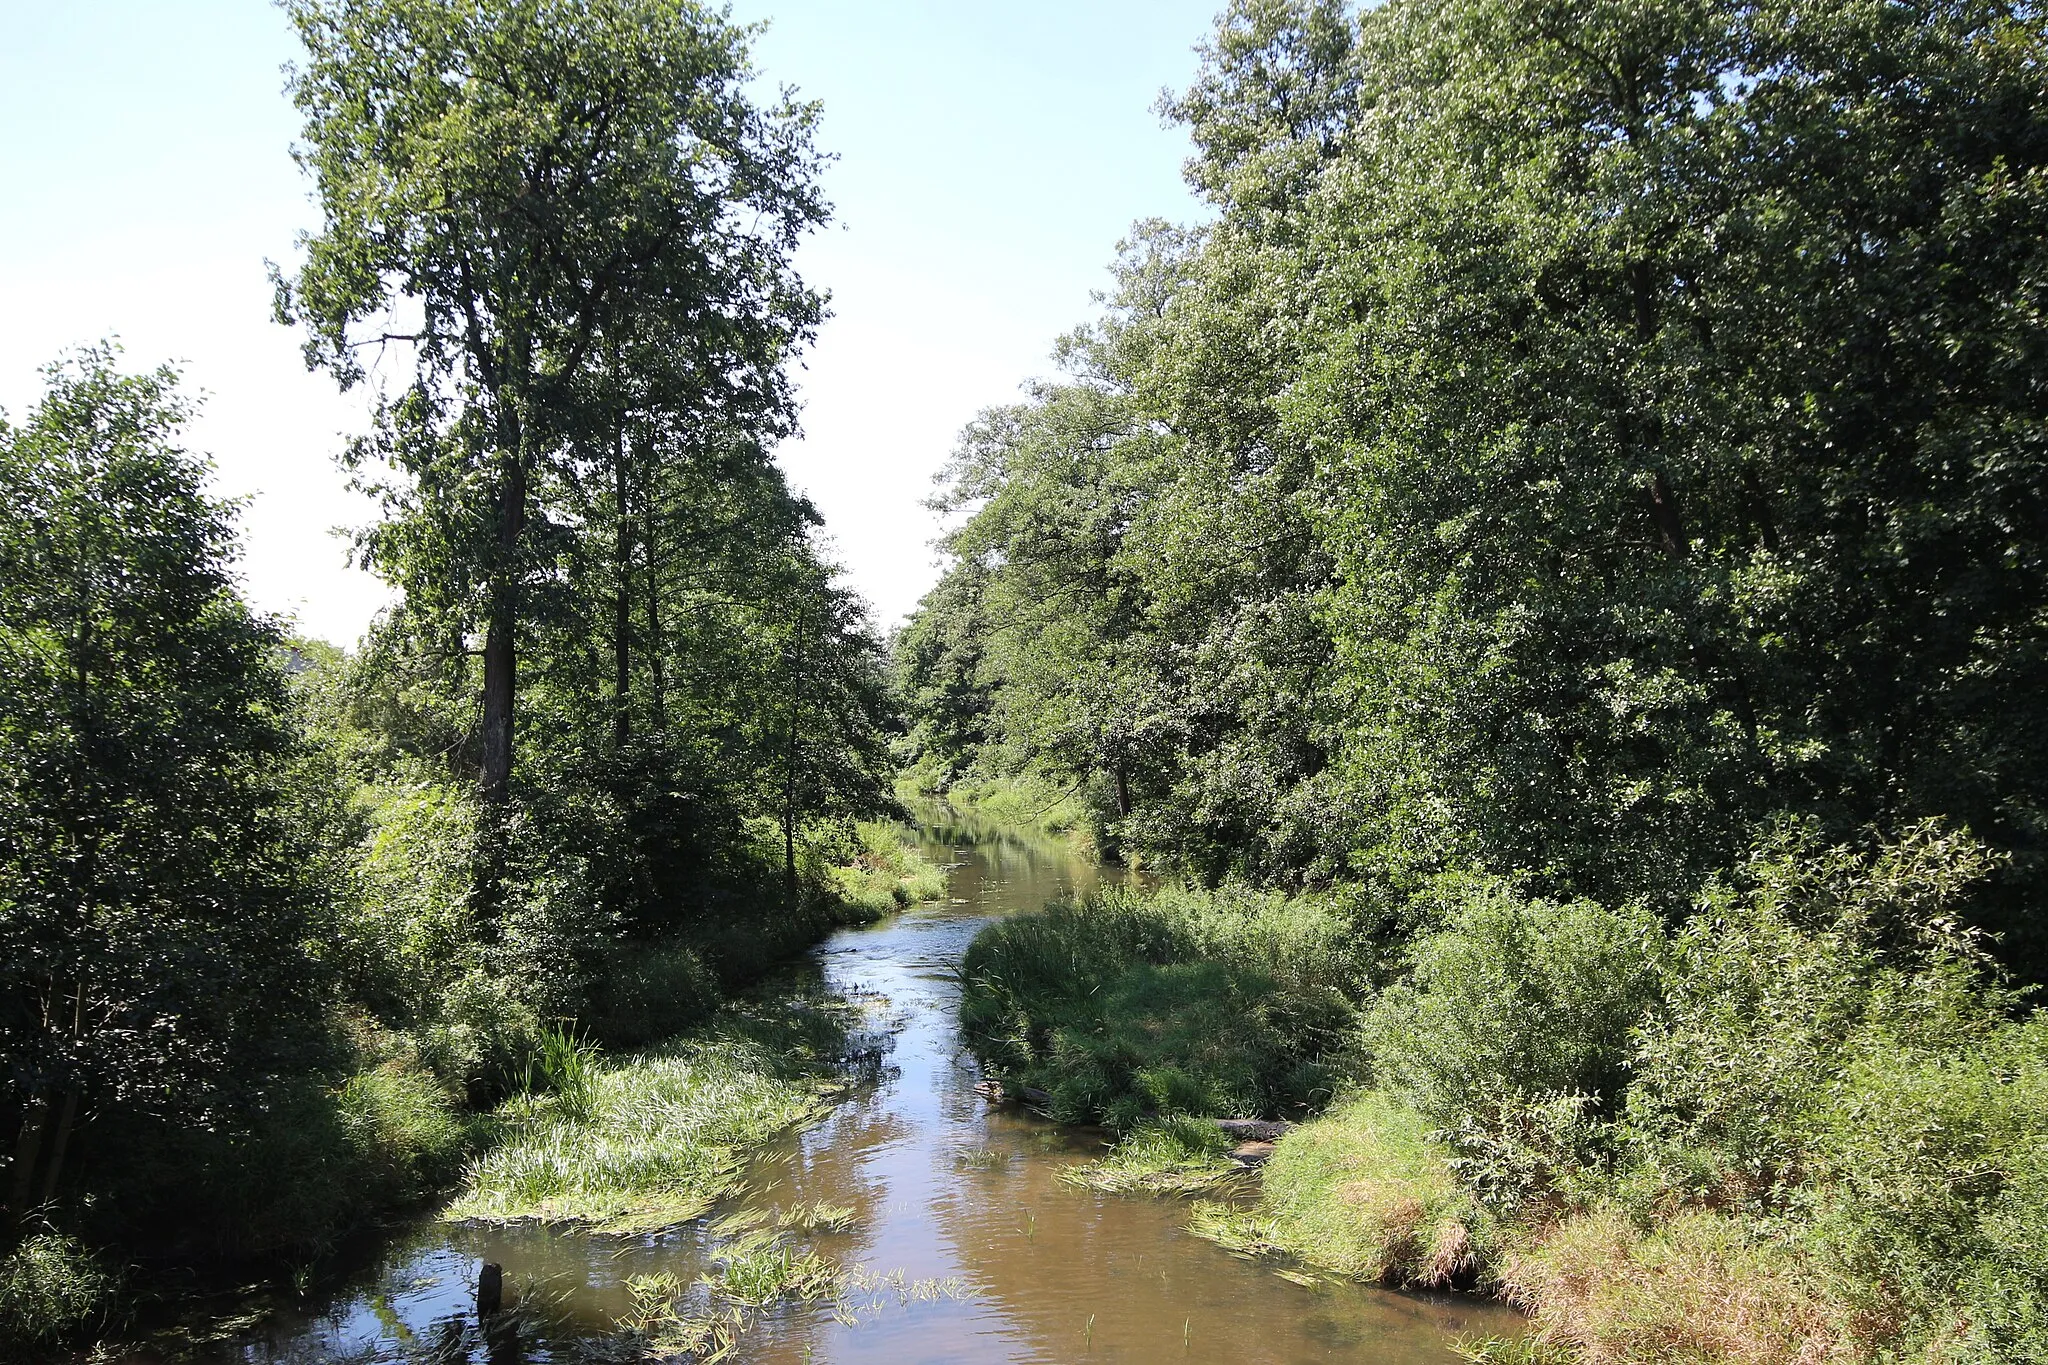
(944, 1188)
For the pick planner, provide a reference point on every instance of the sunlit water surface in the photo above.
(947, 1189)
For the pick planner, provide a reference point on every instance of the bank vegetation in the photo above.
(1556, 566)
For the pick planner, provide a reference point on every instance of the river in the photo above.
(946, 1188)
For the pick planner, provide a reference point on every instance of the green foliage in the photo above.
(1573, 441)
(567, 1069)
(163, 865)
(1775, 991)
(1225, 1003)
(51, 1287)
(1364, 1192)
(654, 1138)
(1933, 1175)
(1515, 997)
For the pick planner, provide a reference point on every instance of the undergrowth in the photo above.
(1810, 1123)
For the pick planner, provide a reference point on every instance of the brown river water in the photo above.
(946, 1188)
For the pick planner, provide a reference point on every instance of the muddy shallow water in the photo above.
(946, 1189)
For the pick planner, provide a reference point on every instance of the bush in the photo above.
(651, 992)
(50, 1288)
(1772, 991)
(1931, 1168)
(1516, 999)
(479, 1043)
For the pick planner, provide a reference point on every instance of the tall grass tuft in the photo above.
(655, 1138)
(50, 1288)
(1221, 1003)
(568, 1068)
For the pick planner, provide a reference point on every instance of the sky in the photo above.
(989, 159)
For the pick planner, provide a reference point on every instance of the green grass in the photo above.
(406, 1130)
(50, 1288)
(887, 873)
(664, 1133)
(1225, 1004)
(1174, 1155)
(1365, 1193)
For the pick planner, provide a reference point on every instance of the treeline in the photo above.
(279, 925)
(1558, 565)
(1580, 436)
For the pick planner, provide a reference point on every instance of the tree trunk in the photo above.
(622, 601)
(28, 1149)
(502, 624)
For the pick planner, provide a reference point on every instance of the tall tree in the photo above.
(525, 181)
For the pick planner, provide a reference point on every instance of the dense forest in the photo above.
(1555, 565)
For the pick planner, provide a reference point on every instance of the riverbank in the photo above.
(913, 1220)
(1804, 1124)
(509, 1117)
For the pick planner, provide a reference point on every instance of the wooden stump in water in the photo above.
(490, 1289)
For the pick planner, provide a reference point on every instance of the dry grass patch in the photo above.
(1697, 1288)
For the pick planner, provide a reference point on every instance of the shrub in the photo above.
(884, 871)
(1516, 997)
(408, 933)
(480, 1042)
(1771, 992)
(651, 992)
(1932, 1176)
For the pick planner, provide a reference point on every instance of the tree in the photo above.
(541, 183)
(156, 898)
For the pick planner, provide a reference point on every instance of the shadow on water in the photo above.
(944, 1187)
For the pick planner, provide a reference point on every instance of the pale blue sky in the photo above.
(990, 158)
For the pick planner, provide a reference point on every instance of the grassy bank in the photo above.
(885, 871)
(468, 1080)
(1024, 803)
(1806, 1124)
(656, 1137)
(1173, 1002)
